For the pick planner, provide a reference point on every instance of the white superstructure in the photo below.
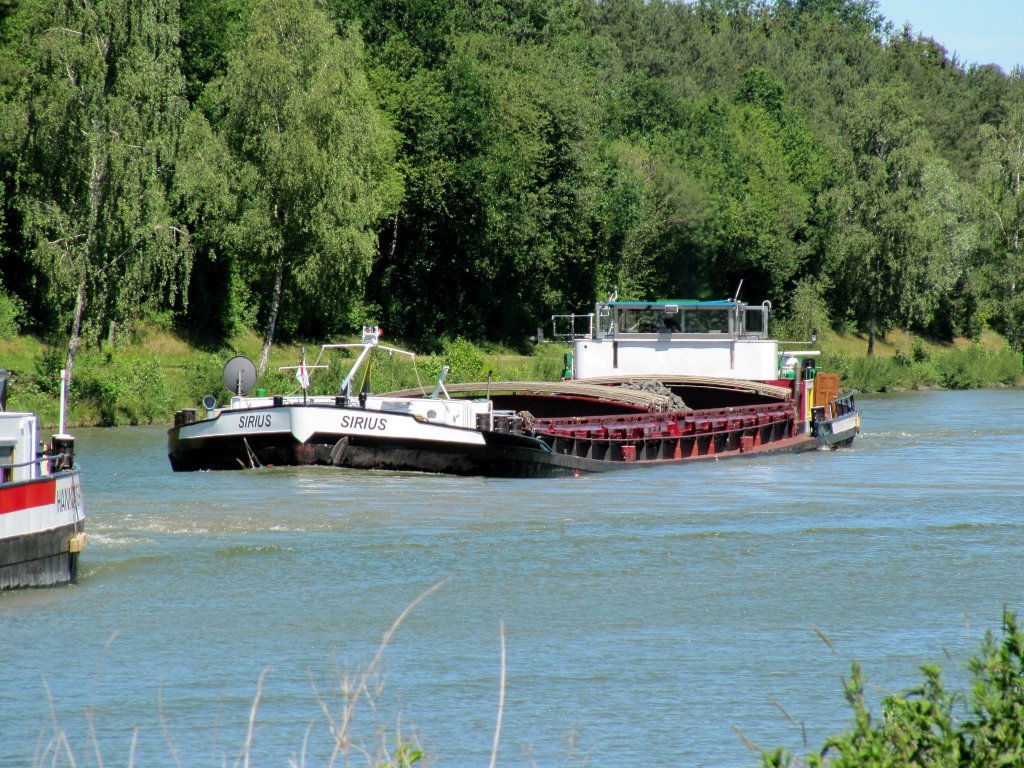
(720, 339)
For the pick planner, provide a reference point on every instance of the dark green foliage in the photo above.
(47, 370)
(930, 727)
(12, 314)
(760, 88)
(465, 360)
(209, 30)
(995, 731)
(204, 376)
(806, 314)
(467, 168)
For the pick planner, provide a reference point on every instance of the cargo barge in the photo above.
(647, 383)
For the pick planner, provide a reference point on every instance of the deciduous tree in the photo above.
(881, 243)
(104, 103)
(314, 158)
(1001, 178)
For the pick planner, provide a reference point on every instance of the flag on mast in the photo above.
(302, 374)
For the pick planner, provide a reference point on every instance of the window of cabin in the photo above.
(6, 460)
(641, 320)
(706, 321)
(756, 321)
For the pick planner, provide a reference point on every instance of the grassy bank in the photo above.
(144, 379)
(904, 362)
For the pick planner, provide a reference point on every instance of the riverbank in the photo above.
(903, 362)
(145, 379)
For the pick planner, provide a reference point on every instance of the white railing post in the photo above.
(63, 397)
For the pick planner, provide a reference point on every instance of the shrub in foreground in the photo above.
(926, 728)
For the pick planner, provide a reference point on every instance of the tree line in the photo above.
(469, 167)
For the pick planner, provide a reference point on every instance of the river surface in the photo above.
(671, 616)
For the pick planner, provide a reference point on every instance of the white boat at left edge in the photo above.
(42, 511)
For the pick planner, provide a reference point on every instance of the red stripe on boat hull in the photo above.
(16, 497)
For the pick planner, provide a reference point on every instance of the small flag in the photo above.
(302, 375)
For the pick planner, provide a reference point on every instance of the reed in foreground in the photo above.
(339, 708)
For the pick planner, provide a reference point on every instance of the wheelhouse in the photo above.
(722, 339)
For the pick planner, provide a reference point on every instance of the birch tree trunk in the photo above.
(275, 305)
(76, 332)
(871, 328)
(97, 179)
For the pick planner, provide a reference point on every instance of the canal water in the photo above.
(677, 615)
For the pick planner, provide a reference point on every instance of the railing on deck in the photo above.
(55, 462)
(571, 327)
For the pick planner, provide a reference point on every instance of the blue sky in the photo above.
(978, 32)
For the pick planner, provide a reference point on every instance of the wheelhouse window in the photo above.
(667, 318)
(756, 322)
(642, 320)
(700, 320)
(712, 318)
